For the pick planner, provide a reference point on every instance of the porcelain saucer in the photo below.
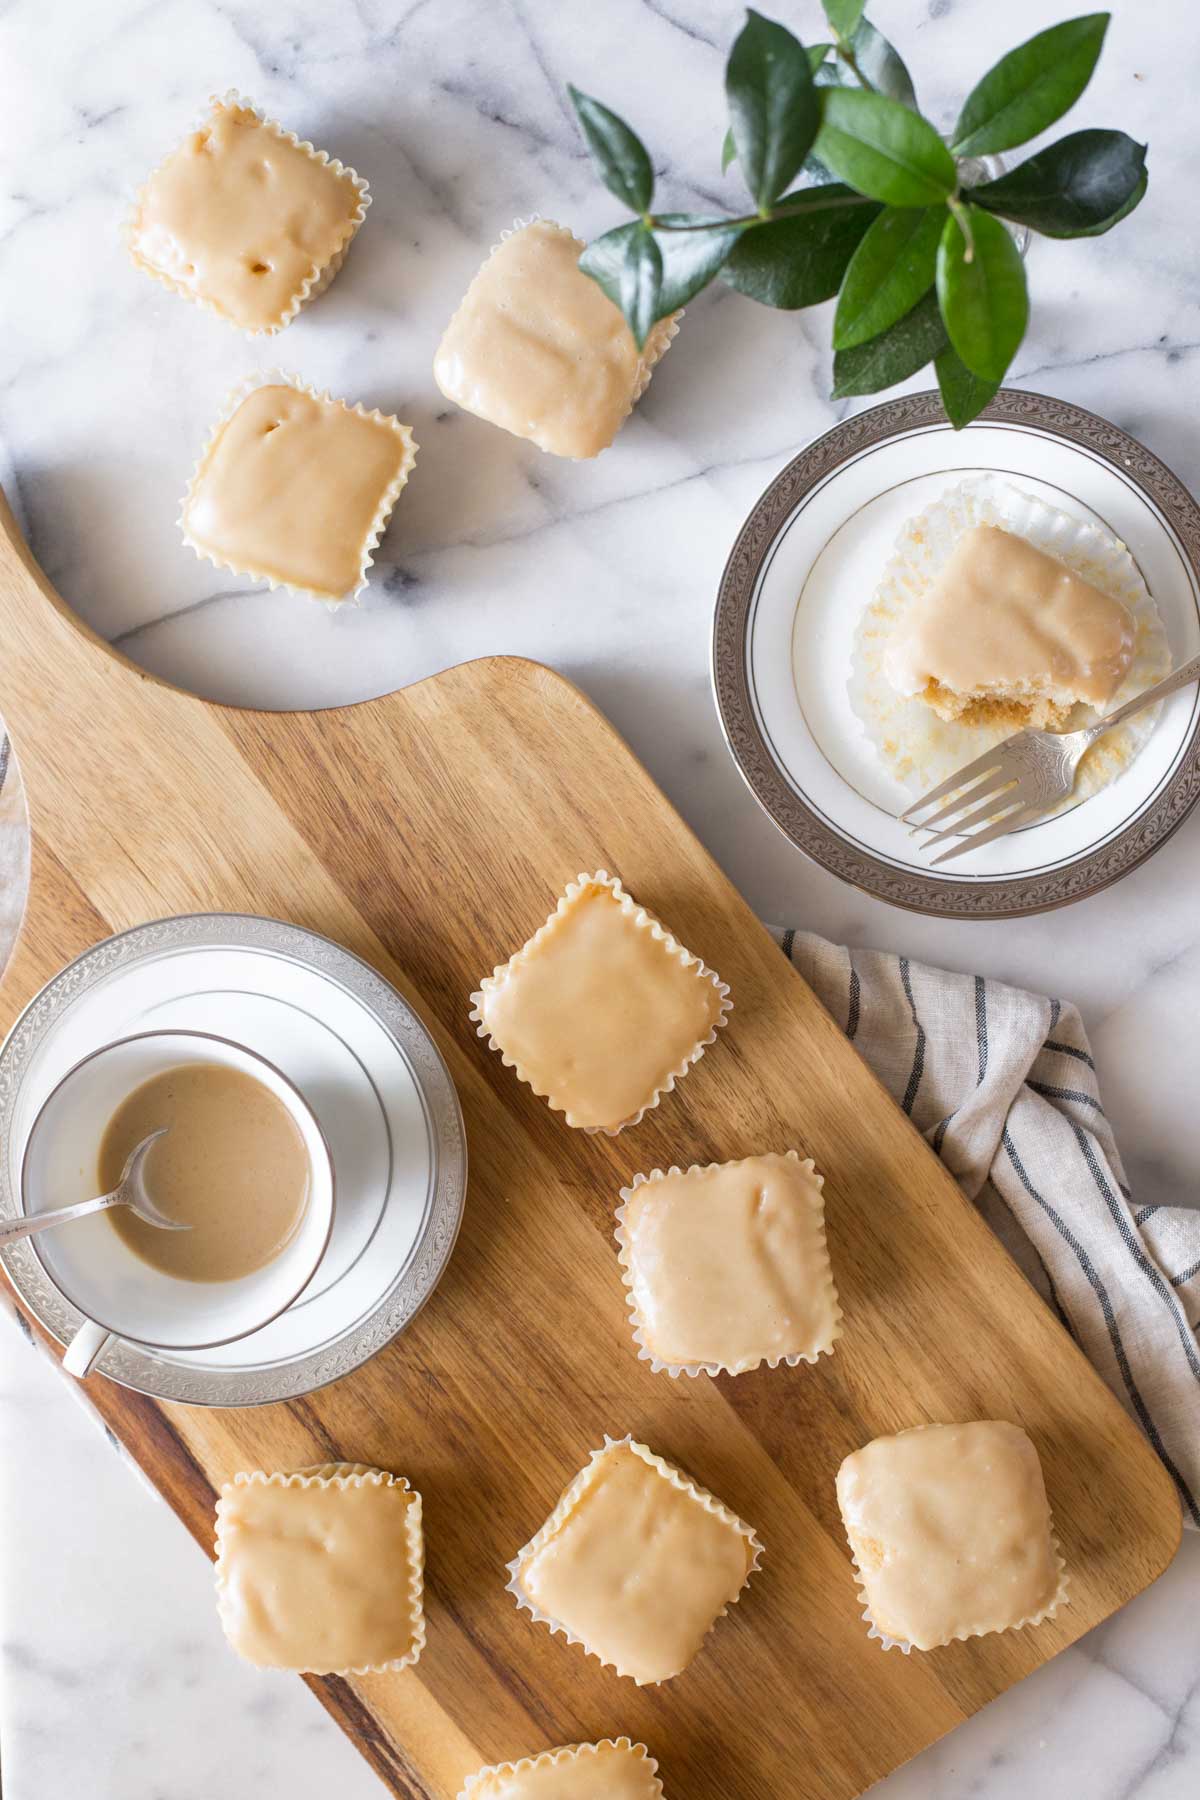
(372, 1075)
(805, 565)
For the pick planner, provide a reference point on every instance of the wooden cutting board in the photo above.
(430, 831)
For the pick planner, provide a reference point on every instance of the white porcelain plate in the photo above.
(370, 1072)
(807, 562)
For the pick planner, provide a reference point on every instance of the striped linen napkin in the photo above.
(1003, 1087)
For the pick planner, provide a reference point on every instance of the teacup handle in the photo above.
(81, 1353)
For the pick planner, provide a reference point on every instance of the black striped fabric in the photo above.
(1004, 1086)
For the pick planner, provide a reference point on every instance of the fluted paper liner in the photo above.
(566, 1505)
(886, 1642)
(920, 749)
(658, 341)
(625, 1258)
(248, 385)
(567, 1753)
(644, 921)
(321, 274)
(343, 1475)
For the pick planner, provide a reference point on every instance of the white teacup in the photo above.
(88, 1261)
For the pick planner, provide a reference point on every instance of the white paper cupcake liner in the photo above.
(280, 378)
(659, 340)
(646, 921)
(918, 748)
(566, 1504)
(342, 1475)
(565, 1755)
(1057, 1599)
(1035, 1618)
(625, 1258)
(319, 276)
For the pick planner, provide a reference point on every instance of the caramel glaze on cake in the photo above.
(1008, 634)
(241, 217)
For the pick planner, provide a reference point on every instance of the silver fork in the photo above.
(1021, 777)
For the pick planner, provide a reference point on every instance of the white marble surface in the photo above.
(116, 1682)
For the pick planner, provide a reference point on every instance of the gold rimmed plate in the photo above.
(805, 565)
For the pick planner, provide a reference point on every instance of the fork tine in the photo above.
(998, 803)
(1008, 823)
(976, 792)
(983, 765)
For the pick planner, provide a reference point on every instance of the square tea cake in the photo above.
(602, 1011)
(245, 219)
(295, 488)
(951, 1533)
(539, 349)
(636, 1563)
(727, 1267)
(321, 1571)
(611, 1770)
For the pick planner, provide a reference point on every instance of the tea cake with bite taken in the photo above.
(1007, 633)
(998, 611)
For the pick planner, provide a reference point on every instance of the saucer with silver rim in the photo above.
(371, 1073)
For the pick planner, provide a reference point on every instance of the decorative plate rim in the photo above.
(911, 889)
(157, 1376)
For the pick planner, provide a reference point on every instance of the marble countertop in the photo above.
(116, 1681)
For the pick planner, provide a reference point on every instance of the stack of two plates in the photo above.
(370, 1072)
(805, 567)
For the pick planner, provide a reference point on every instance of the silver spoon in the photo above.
(130, 1191)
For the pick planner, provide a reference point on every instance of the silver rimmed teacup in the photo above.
(119, 1294)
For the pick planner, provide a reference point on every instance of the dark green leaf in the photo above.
(883, 149)
(1135, 200)
(1030, 87)
(894, 355)
(981, 289)
(872, 57)
(773, 107)
(964, 395)
(690, 259)
(844, 15)
(816, 54)
(617, 152)
(1079, 187)
(892, 267)
(799, 260)
(604, 258)
(882, 65)
(627, 264)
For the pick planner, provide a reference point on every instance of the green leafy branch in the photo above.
(855, 194)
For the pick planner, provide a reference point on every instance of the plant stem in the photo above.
(847, 55)
(774, 212)
(963, 220)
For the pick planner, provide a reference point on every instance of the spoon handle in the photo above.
(28, 1223)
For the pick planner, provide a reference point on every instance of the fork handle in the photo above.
(28, 1223)
(1188, 671)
